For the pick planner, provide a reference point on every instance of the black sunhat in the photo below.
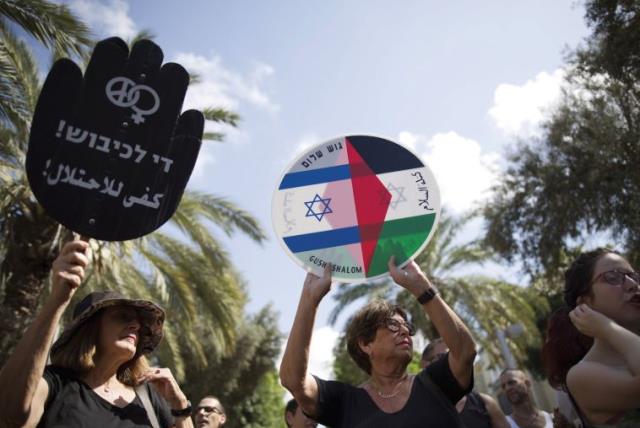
(152, 317)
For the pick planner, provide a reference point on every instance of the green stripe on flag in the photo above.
(400, 238)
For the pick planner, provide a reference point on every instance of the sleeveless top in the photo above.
(630, 419)
(548, 420)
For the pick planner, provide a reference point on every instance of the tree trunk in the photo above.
(25, 268)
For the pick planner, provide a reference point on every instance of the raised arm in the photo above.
(462, 349)
(293, 369)
(604, 390)
(594, 324)
(23, 391)
(498, 419)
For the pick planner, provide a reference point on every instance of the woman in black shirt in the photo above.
(99, 371)
(379, 341)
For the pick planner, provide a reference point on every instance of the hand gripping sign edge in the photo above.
(354, 201)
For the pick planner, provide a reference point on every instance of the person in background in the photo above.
(517, 388)
(294, 417)
(592, 345)
(210, 413)
(476, 410)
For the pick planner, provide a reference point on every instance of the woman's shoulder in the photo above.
(336, 388)
(59, 375)
(590, 370)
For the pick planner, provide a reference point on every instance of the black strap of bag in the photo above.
(143, 392)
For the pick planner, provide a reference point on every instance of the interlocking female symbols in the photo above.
(124, 92)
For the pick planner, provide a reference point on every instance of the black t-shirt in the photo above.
(475, 413)
(431, 403)
(71, 403)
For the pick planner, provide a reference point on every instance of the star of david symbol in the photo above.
(322, 202)
(397, 195)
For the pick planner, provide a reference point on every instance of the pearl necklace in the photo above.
(394, 392)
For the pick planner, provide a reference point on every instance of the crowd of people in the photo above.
(96, 374)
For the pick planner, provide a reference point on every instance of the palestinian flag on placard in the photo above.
(354, 202)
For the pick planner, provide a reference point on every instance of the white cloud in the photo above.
(306, 142)
(203, 164)
(109, 18)
(222, 87)
(463, 172)
(303, 144)
(321, 352)
(206, 156)
(323, 341)
(519, 110)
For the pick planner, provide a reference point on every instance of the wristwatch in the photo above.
(427, 295)
(182, 412)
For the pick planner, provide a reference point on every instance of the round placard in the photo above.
(354, 202)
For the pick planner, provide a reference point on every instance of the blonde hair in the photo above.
(79, 352)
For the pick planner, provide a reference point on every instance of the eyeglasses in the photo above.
(617, 277)
(208, 409)
(394, 326)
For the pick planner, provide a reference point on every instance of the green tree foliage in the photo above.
(581, 177)
(612, 48)
(485, 304)
(51, 24)
(246, 380)
(344, 368)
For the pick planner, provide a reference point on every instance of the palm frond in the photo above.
(223, 213)
(221, 115)
(194, 78)
(52, 24)
(213, 136)
(350, 293)
(145, 34)
(19, 84)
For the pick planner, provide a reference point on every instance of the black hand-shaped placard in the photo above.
(109, 154)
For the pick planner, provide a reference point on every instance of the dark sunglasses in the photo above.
(394, 326)
(208, 409)
(617, 277)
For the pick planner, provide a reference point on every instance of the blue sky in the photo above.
(458, 82)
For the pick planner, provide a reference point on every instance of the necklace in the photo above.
(107, 388)
(393, 393)
(529, 419)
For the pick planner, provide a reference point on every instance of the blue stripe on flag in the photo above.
(326, 239)
(315, 176)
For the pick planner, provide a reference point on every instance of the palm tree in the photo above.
(485, 304)
(184, 266)
(53, 25)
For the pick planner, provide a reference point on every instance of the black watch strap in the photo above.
(182, 412)
(427, 295)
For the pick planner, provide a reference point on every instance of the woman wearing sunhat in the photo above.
(99, 376)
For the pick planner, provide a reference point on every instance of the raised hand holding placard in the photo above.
(109, 154)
